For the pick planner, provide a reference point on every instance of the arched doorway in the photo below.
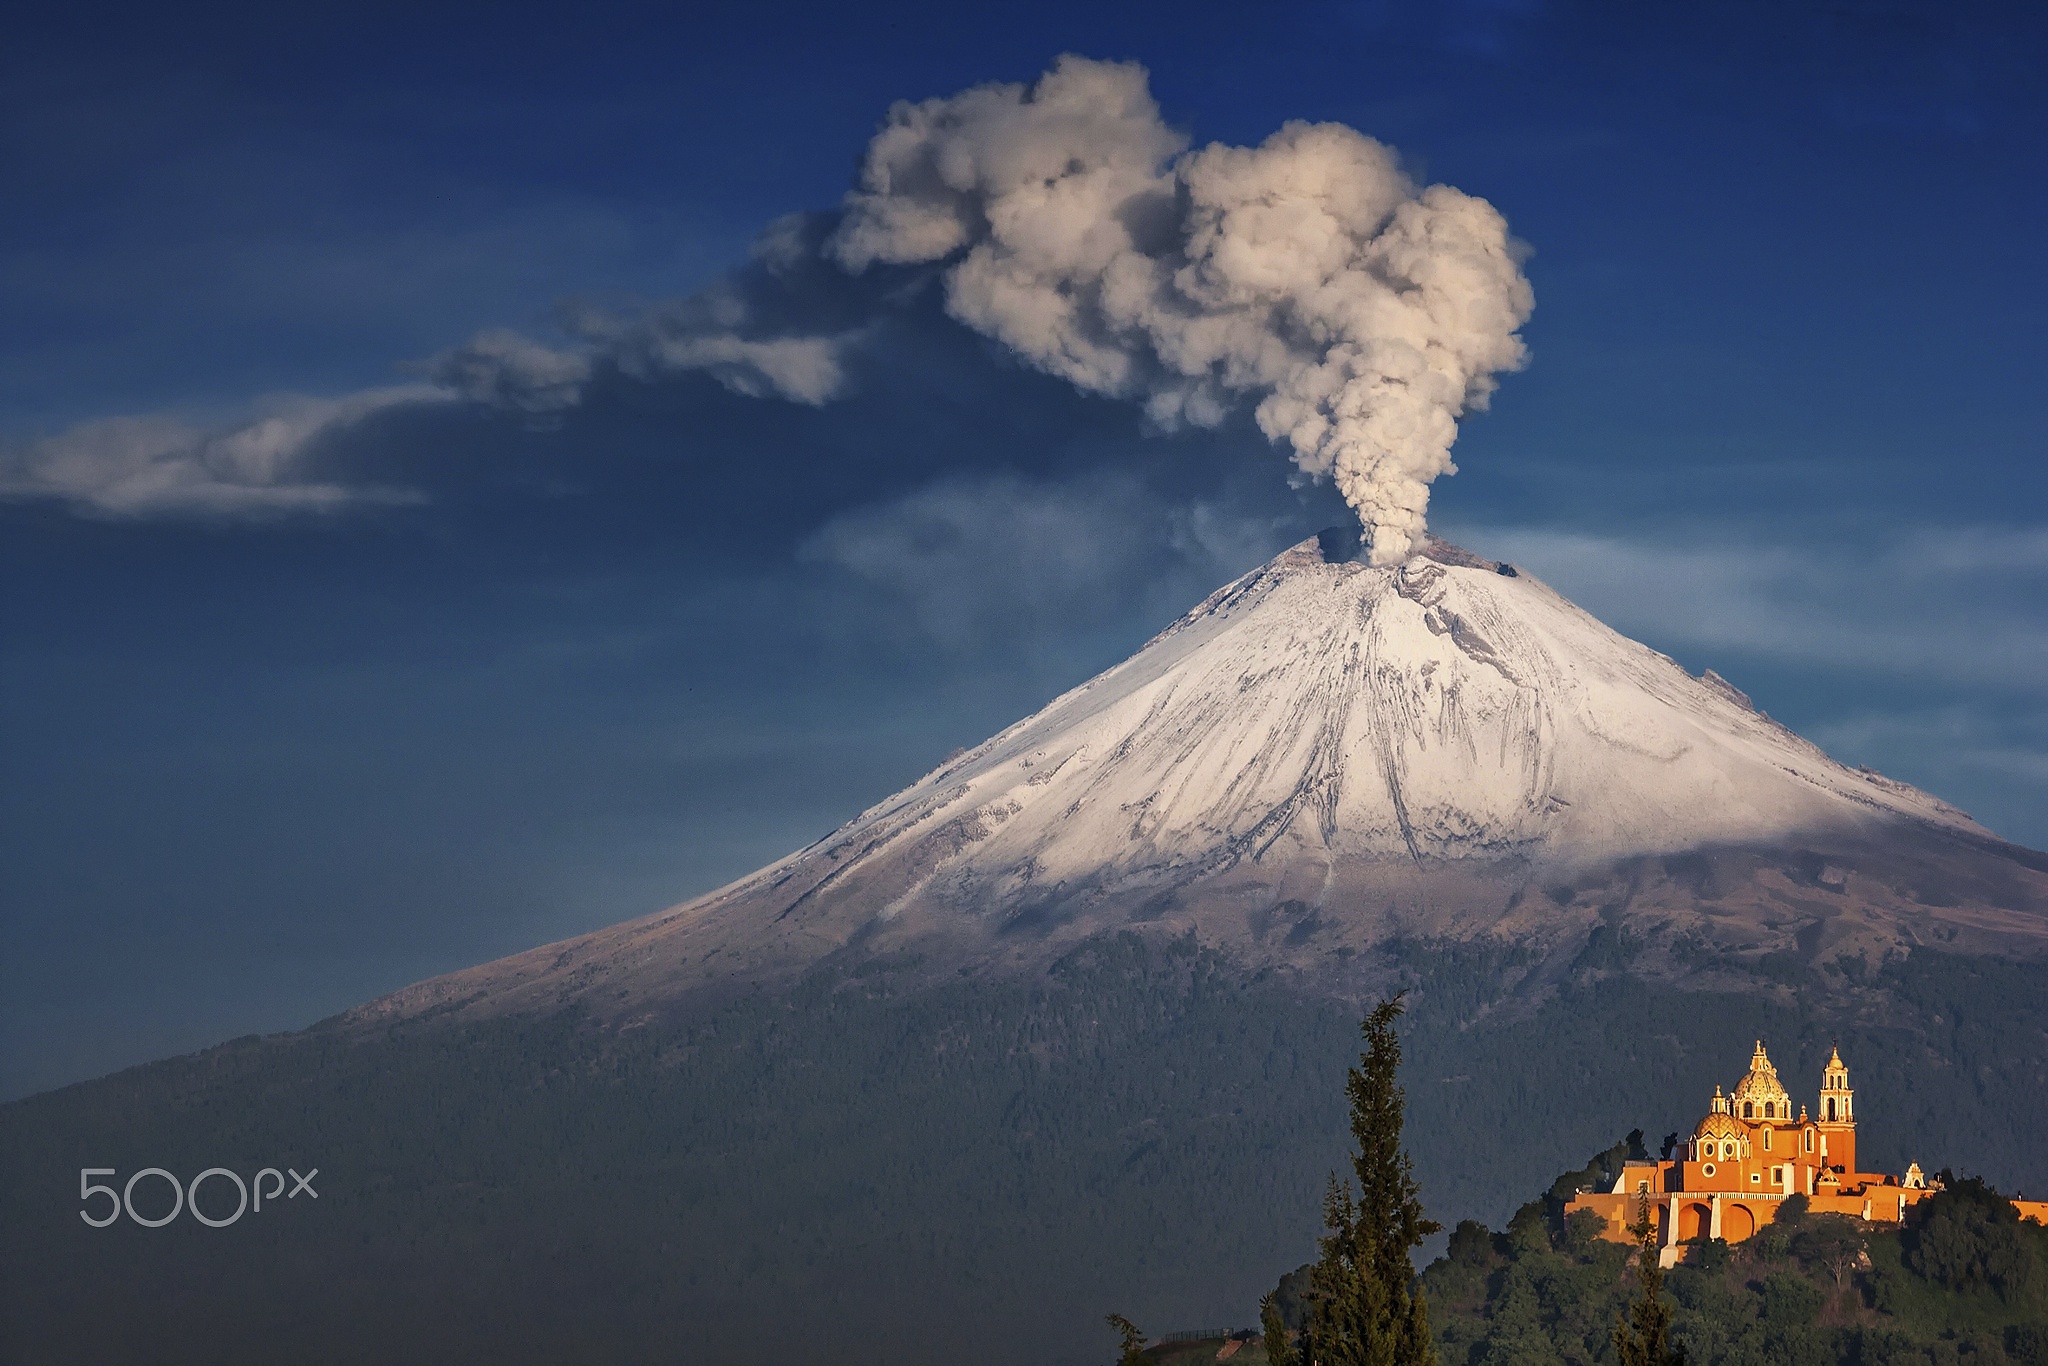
(1693, 1223)
(1737, 1222)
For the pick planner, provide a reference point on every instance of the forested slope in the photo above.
(863, 1171)
(1964, 1281)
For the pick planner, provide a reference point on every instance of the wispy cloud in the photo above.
(161, 465)
(717, 333)
(2013, 746)
(1961, 603)
(1992, 756)
(764, 331)
(978, 561)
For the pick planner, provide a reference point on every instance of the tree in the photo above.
(1279, 1351)
(1583, 1230)
(1965, 1235)
(1834, 1241)
(1132, 1351)
(1643, 1336)
(1365, 1307)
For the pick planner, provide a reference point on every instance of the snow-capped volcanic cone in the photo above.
(1323, 754)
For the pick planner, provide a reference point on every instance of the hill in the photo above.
(1963, 1280)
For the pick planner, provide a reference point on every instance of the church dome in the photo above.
(1717, 1126)
(1760, 1095)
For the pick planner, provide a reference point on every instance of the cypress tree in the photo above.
(1279, 1351)
(1131, 1350)
(1643, 1336)
(1366, 1309)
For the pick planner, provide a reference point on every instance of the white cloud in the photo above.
(1958, 737)
(160, 465)
(987, 559)
(1993, 758)
(707, 332)
(799, 369)
(1964, 604)
(165, 465)
(713, 332)
(500, 367)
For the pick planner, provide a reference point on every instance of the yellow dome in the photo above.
(1717, 1126)
(1761, 1085)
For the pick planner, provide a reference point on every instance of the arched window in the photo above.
(1767, 1132)
(1809, 1140)
(1770, 1112)
(1749, 1109)
(1831, 1107)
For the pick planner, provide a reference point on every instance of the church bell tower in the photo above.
(1838, 1114)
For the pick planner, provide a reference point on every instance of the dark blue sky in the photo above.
(1783, 418)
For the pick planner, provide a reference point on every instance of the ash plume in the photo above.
(1359, 314)
(1363, 314)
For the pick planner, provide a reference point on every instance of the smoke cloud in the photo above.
(159, 465)
(1359, 314)
(1363, 314)
(700, 333)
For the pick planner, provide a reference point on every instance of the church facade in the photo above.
(1748, 1154)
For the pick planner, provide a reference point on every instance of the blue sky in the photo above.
(505, 675)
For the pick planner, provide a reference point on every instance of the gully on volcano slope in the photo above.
(1323, 754)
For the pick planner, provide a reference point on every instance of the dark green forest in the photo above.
(1964, 1281)
(873, 1168)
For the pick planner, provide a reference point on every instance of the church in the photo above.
(1748, 1154)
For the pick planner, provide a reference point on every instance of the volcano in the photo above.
(1322, 756)
(1062, 1027)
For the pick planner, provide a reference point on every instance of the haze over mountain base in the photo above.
(1061, 1029)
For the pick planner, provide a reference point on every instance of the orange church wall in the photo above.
(1617, 1211)
(1851, 1205)
(1727, 1175)
(1740, 1218)
(1870, 1198)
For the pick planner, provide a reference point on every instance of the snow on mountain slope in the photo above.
(1326, 746)
(1441, 710)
